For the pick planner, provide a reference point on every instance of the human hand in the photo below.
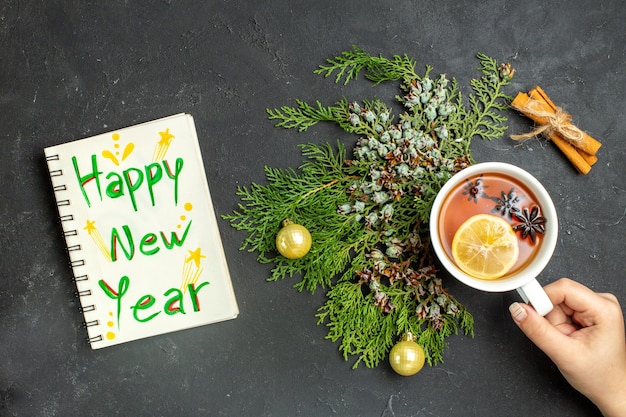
(584, 336)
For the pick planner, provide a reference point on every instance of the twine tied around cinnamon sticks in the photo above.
(555, 125)
(556, 122)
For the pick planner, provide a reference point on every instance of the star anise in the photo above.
(532, 223)
(474, 189)
(507, 204)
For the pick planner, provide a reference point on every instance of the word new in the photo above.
(143, 310)
(129, 181)
(148, 244)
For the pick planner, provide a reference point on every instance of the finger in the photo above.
(559, 314)
(568, 327)
(608, 296)
(561, 318)
(574, 295)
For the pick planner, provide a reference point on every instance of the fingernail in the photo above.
(518, 312)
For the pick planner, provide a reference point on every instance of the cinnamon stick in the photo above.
(580, 148)
(588, 144)
(574, 156)
(591, 159)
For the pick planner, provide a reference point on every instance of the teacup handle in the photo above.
(533, 293)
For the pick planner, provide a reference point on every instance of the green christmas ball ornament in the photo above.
(293, 240)
(407, 357)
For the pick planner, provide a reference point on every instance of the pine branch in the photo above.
(349, 64)
(368, 215)
(356, 323)
(303, 116)
(489, 101)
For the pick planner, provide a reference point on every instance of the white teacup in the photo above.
(522, 279)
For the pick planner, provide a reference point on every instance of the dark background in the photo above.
(71, 69)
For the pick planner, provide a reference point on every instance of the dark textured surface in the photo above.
(71, 69)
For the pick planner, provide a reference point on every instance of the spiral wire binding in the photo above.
(67, 232)
(87, 309)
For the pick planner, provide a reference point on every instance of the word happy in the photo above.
(129, 182)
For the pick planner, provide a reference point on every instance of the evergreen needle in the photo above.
(368, 212)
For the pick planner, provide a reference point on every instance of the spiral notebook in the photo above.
(141, 232)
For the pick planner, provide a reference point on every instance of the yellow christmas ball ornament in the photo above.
(406, 357)
(293, 241)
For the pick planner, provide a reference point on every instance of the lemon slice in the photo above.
(485, 247)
